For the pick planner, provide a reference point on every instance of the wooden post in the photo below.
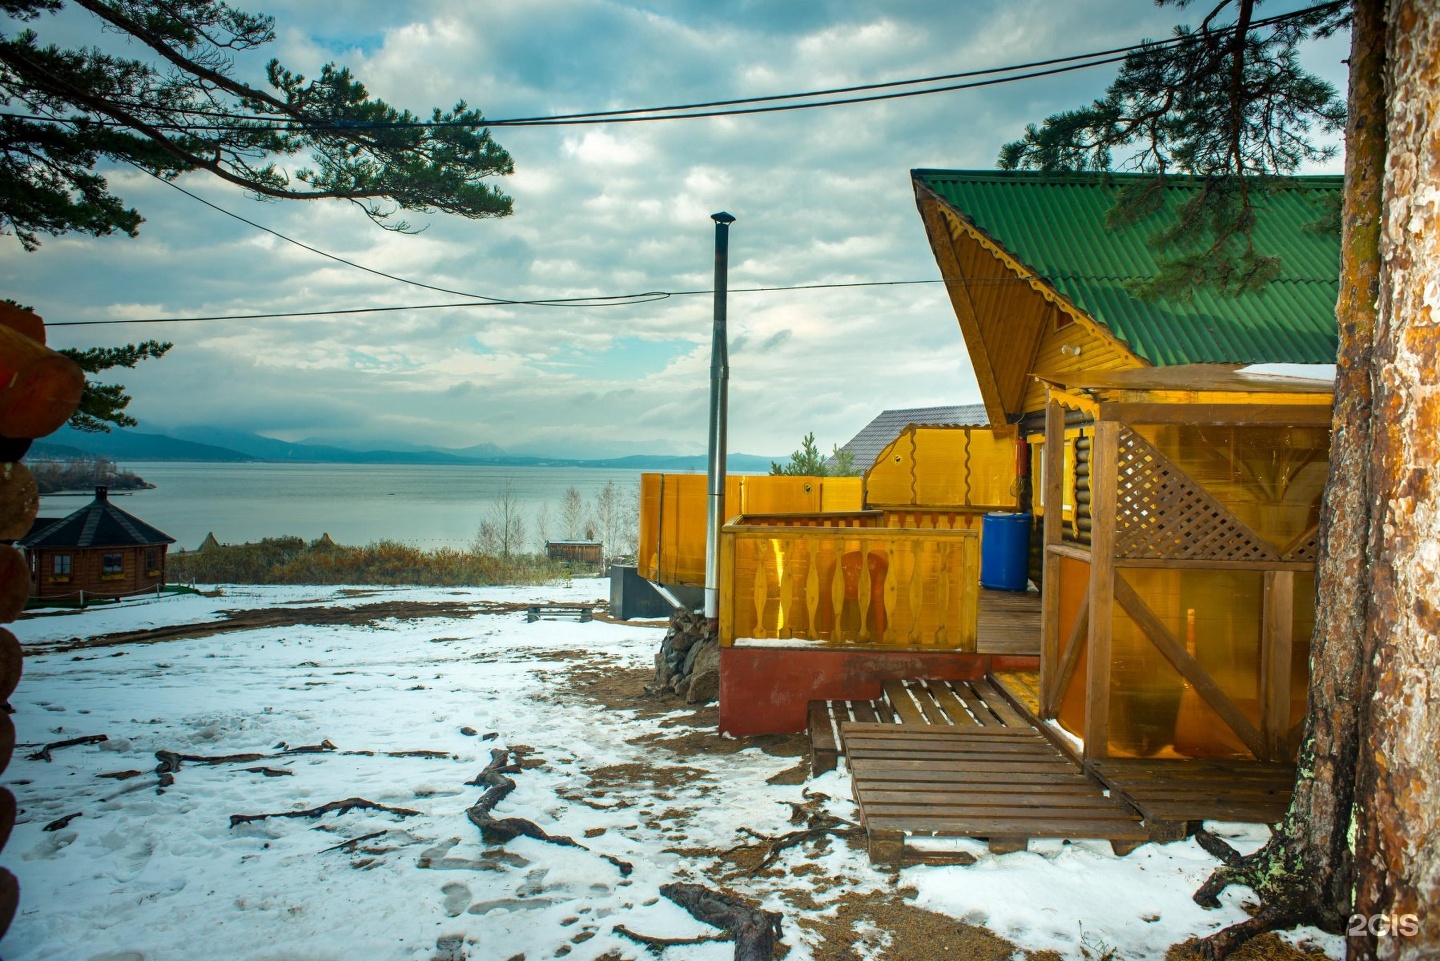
(1103, 467)
(1275, 662)
(1053, 483)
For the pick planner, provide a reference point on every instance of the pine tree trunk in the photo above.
(1303, 875)
(1397, 850)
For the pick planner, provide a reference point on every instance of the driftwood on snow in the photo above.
(44, 753)
(61, 823)
(170, 761)
(339, 807)
(754, 930)
(499, 830)
(354, 841)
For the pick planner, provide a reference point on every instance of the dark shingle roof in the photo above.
(1056, 225)
(98, 524)
(867, 445)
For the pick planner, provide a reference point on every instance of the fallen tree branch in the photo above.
(339, 807)
(354, 841)
(44, 753)
(754, 929)
(820, 825)
(121, 775)
(269, 771)
(170, 761)
(61, 823)
(499, 830)
(657, 944)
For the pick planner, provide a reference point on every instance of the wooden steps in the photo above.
(1185, 791)
(966, 704)
(1003, 784)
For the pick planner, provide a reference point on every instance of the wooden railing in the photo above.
(860, 586)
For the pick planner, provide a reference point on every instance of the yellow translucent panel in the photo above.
(851, 587)
(1217, 616)
(674, 509)
(1074, 586)
(945, 467)
(1270, 477)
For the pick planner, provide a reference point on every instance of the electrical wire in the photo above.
(614, 301)
(705, 109)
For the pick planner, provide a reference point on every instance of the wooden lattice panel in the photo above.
(1160, 511)
(1307, 548)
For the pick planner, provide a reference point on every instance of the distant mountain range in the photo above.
(215, 445)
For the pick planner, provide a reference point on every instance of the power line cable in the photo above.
(615, 301)
(703, 109)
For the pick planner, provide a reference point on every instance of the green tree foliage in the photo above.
(809, 462)
(104, 404)
(1229, 104)
(180, 108)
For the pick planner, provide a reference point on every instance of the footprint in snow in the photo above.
(457, 899)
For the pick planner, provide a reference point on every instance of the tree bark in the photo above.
(1304, 874)
(1397, 847)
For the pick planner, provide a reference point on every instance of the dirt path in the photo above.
(249, 620)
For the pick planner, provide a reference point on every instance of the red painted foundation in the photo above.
(766, 690)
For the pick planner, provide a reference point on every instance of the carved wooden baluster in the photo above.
(942, 596)
(862, 591)
(837, 592)
(785, 572)
(892, 590)
(917, 587)
(812, 587)
(761, 592)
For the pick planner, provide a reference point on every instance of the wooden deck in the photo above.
(1188, 791)
(1008, 622)
(1001, 784)
(969, 759)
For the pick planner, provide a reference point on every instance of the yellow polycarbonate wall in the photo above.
(961, 467)
(673, 510)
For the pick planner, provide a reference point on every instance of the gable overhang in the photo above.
(1003, 306)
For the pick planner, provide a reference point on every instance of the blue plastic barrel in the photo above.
(1005, 551)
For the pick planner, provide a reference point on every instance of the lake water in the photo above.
(428, 506)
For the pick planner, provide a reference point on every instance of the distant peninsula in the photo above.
(212, 445)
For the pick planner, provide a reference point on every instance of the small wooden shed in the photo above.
(588, 553)
(98, 551)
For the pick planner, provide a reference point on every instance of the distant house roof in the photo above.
(1056, 226)
(98, 524)
(867, 445)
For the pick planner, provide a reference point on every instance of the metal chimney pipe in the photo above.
(719, 382)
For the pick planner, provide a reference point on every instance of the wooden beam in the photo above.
(1074, 551)
(1079, 632)
(1103, 461)
(1189, 669)
(1277, 415)
(1276, 649)
(1052, 487)
(1202, 564)
(942, 242)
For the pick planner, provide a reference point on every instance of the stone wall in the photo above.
(688, 662)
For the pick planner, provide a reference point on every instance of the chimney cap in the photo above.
(102, 493)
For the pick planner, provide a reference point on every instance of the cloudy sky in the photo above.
(820, 196)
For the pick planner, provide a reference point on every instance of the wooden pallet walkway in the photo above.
(1187, 791)
(1003, 784)
(966, 704)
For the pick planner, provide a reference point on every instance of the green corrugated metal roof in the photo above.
(1055, 224)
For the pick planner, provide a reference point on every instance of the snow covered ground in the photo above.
(154, 875)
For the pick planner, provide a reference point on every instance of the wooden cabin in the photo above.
(1178, 569)
(99, 551)
(1173, 538)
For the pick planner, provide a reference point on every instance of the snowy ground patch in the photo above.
(147, 872)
